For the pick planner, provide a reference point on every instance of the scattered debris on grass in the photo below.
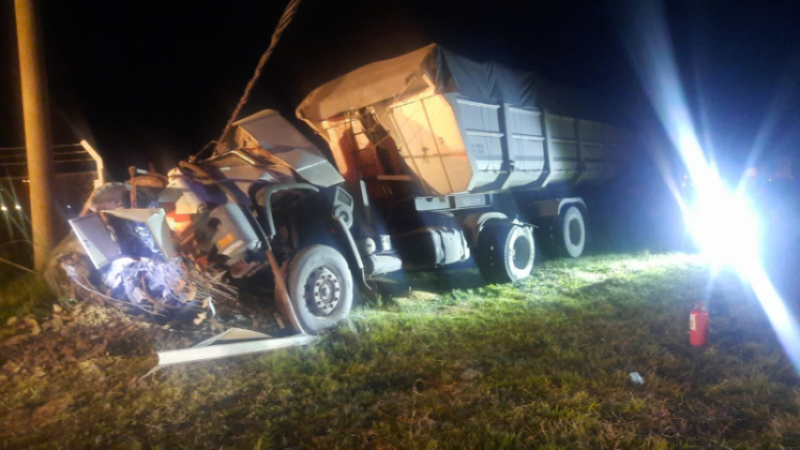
(71, 335)
(636, 378)
(469, 375)
(88, 324)
(553, 358)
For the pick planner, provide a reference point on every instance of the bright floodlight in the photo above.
(720, 221)
(723, 225)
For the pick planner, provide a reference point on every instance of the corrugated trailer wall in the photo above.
(465, 126)
(457, 145)
(525, 145)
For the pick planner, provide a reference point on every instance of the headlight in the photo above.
(724, 226)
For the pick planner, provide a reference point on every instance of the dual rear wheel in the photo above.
(571, 236)
(564, 236)
(505, 252)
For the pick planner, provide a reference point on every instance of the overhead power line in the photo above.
(2, 149)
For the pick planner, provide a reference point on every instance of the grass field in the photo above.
(544, 364)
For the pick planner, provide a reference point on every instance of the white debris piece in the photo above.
(233, 334)
(215, 347)
(469, 375)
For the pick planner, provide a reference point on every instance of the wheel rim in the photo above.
(323, 291)
(520, 253)
(575, 232)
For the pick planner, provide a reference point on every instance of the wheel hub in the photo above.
(323, 291)
(520, 253)
(574, 232)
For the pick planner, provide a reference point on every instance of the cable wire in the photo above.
(283, 23)
(20, 267)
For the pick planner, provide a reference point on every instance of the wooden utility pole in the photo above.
(37, 129)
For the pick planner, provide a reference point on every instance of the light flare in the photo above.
(721, 221)
(724, 225)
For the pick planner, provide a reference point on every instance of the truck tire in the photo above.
(320, 287)
(572, 232)
(505, 252)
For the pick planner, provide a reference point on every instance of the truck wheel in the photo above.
(572, 232)
(320, 287)
(505, 252)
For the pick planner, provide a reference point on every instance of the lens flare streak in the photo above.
(721, 222)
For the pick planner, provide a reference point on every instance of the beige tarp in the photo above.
(365, 86)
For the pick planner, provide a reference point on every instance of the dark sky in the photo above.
(154, 81)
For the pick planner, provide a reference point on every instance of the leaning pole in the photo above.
(37, 129)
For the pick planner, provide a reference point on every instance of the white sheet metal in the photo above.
(234, 334)
(276, 135)
(95, 238)
(210, 352)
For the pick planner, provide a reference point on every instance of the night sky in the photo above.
(154, 81)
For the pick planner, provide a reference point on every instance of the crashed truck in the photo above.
(436, 159)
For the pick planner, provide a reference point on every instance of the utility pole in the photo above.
(37, 129)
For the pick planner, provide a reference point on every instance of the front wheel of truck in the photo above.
(320, 287)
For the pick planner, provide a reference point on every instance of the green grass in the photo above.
(22, 294)
(550, 360)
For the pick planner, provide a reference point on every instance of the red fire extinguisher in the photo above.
(698, 325)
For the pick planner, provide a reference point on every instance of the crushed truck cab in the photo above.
(243, 217)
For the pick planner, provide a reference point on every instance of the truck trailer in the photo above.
(436, 159)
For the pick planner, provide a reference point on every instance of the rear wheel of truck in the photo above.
(505, 252)
(572, 232)
(320, 287)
